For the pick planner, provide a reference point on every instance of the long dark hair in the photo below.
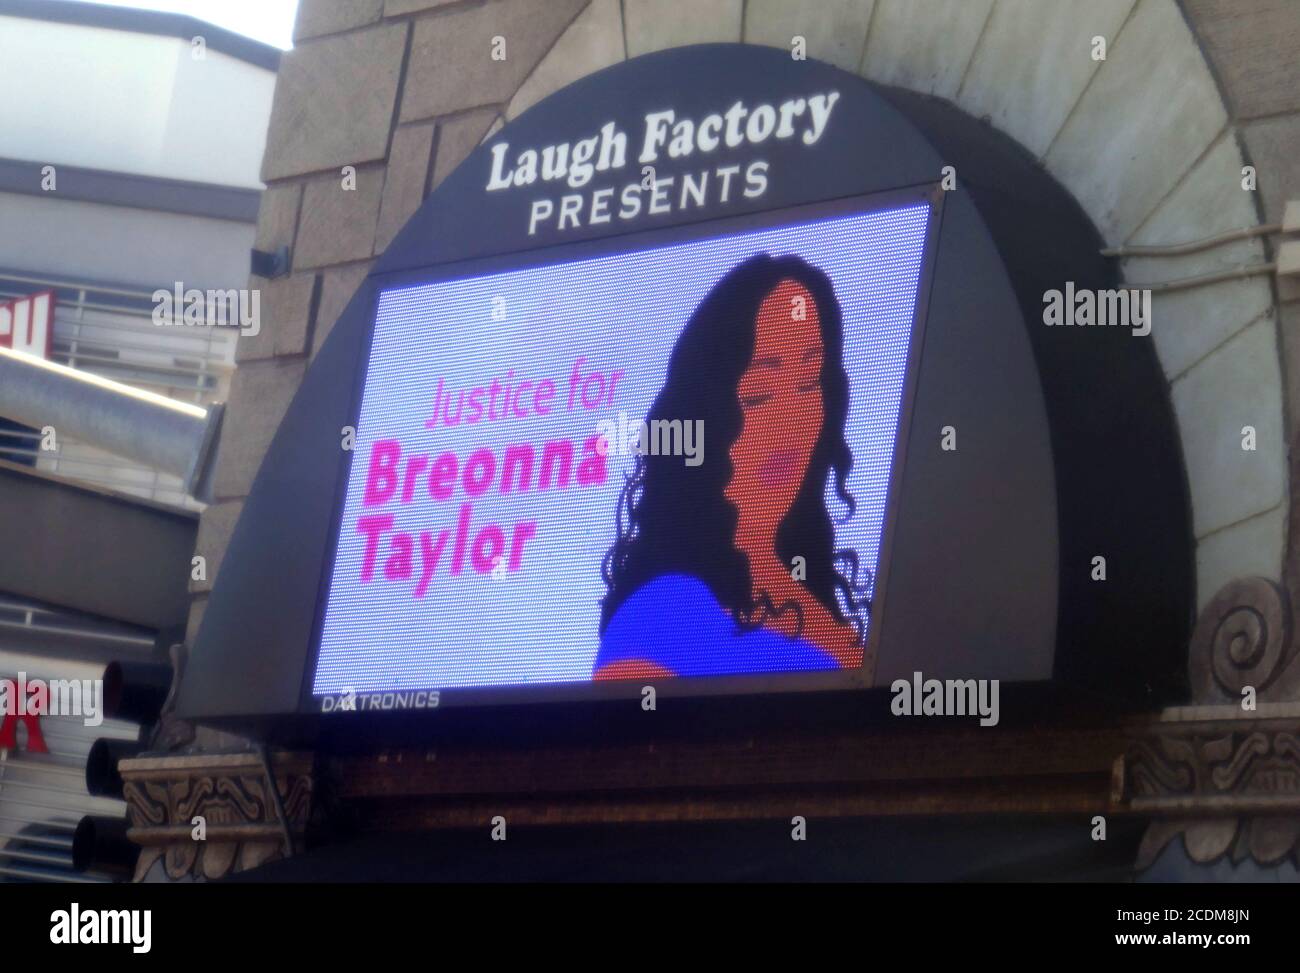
(673, 518)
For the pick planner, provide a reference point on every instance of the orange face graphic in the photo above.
(781, 400)
(783, 411)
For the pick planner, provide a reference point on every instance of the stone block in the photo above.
(592, 42)
(1251, 548)
(1273, 145)
(458, 136)
(285, 308)
(197, 607)
(334, 102)
(338, 224)
(316, 18)
(260, 392)
(452, 67)
(1238, 385)
(337, 287)
(924, 46)
(834, 31)
(1188, 324)
(1289, 334)
(656, 25)
(405, 181)
(396, 8)
(1033, 61)
(277, 216)
(1253, 47)
(1149, 114)
(498, 123)
(216, 524)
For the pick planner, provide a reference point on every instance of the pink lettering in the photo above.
(373, 527)
(430, 554)
(381, 480)
(487, 548)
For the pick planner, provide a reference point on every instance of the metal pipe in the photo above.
(1193, 246)
(102, 777)
(45, 786)
(159, 432)
(101, 845)
(36, 856)
(1182, 283)
(38, 840)
(136, 691)
(51, 876)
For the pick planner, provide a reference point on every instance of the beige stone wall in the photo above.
(1151, 141)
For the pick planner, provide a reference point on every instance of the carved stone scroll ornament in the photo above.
(165, 794)
(1229, 786)
(1243, 638)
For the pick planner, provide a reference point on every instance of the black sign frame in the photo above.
(628, 242)
(990, 548)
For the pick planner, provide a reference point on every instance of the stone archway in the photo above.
(1167, 168)
(1146, 142)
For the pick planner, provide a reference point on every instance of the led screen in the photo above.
(668, 462)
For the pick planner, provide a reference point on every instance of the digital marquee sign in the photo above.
(637, 396)
(670, 460)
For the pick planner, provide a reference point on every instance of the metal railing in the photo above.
(43, 795)
(110, 331)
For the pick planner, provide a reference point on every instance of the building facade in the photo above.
(130, 145)
(1167, 121)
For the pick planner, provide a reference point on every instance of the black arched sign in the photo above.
(706, 373)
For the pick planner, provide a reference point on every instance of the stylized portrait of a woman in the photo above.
(731, 566)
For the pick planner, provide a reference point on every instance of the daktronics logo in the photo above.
(351, 702)
(27, 324)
